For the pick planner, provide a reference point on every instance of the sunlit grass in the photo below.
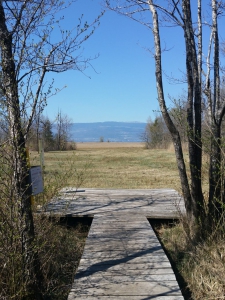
(200, 263)
(109, 165)
(116, 167)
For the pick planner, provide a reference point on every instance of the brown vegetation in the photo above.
(115, 165)
(125, 165)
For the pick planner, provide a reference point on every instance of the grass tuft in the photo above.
(60, 250)
(201, 265)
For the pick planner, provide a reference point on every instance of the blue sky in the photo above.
(123, 89)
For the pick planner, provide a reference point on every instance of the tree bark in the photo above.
(31, 266)
(189, 205)
(216, 192)
(194, 113)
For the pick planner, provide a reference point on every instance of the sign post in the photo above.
(41, 151)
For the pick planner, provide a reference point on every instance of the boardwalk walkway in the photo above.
(123, 258)
(161, 203)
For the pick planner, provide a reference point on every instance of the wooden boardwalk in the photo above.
(161, 203)
(122, 258)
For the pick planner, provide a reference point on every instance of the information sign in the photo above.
(36, 180)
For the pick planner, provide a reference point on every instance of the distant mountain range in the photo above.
(107, 131)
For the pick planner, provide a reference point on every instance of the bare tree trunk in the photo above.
(216, 205)
(28, 52)
(190, 209)
(194, 114)
(31, 266)
(215, 176)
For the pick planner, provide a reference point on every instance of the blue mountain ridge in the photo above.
(108, 131)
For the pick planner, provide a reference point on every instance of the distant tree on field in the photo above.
(63, 125)
(156, 134)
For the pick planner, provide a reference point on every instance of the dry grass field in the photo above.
(108, 145)
(131, 166)
(113, 165)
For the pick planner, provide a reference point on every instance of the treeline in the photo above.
(157, 135)
(54, 134)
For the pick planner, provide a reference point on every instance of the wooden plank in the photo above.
(116, 278)
(124, 259)
(141, 267)
(102, 297)
(162, 203)
(112, 271)
(125, 289)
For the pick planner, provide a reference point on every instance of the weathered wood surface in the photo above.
(161, 203)
(122, 258)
